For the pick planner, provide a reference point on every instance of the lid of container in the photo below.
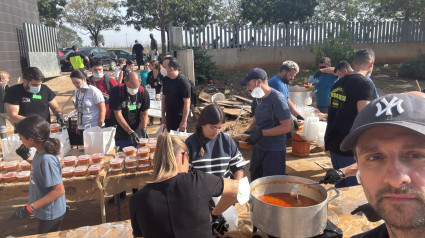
(24, 162)
(9, 175)
(97, 155)
(23, 174)
(69, 158)
(81, 168)
(143, 165)
(143, 149)
(131, 167)
(141, 140)
(84, 157)
(95, 167)
(11, 164)
(68, 169)
(117, 169)
(116, 161)
(128, 148)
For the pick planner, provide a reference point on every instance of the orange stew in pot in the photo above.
(285, 200)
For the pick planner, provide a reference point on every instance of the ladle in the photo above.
(294, 189)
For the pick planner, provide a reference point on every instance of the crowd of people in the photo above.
(374, 141)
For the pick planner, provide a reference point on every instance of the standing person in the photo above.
(144, 73)
(89, 102)
(46, 191)
(280, 82)
(77, 58)
(175, 203)
(138, 50)
(129, 103)
(323, 83)
(4, 79)
(215, 42)
(128, 67)
(211, 150)
(155, 78)
(269, 125)
(154, 47)
(348, 97)
(388, 141)
(121, 63)
(176, 93)
(104, 83)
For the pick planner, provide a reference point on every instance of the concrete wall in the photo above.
(12, 15)
(243, 58)
(185, 60)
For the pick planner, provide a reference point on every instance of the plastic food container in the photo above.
(143, 142)
(116, 163)
(143, 160)
(68, 172)
(143, 152)
(81, 170)
(9, 177)
(244, 145)
(23, 176)
(83, 159)
(11, 166)
(95, 169)
(131, 169)
(55, 127)
(151, 155)
(245, 137)
(70, 160)
(96, 157)
(152, 141)
(24, 165)
(101, 164)
(143, 167)
(130, 161)
(2, 164)
(116, 171)
(151, 146)
(120, 155)
(129, 150)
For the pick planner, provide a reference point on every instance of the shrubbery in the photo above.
(205, 67)
(414, 68)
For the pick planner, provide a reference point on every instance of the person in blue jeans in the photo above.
(270, 123)
(46, 191)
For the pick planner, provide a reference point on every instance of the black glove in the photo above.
(299, 117)
(219, 225)
(254, 137)
(21, 213)
(333, 176)
(59, 119)
(23, 152)
(144, 134)
(134, 139)
(317, 74)
(368, 211)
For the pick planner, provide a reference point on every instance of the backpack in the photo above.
(108, 86)
(121, 91)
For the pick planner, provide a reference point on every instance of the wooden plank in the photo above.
(243, 99)
(235, 112)
(231, 102)
(204, 96)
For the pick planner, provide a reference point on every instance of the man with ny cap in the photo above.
(269, 125)
(388, 142)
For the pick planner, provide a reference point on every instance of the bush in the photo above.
(414, 68)
(337, 48)
(205, 68)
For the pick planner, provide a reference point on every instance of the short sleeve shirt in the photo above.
(268, 113)
(76, 59)
(126, 104)
(344, 96)
(101, 85)
(87, 104)
(277, 83)
(175, 90)
(29, 103)
(323, 85)
(46, 172)
(177, 207)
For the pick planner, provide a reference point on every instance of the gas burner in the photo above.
(331, 231)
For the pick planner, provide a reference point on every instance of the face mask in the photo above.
(98, 76)
(257, 92)
(132, 91)
(84, 87)
(359, 180)
(128, 69)
(34, 89)
(163, 71)
(122, 66)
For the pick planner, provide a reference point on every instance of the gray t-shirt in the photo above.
(46, 172)
(268, 113)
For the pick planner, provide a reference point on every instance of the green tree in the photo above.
(158, 14)
(93, 16)
(100, 40)
(277, 11)
(68, 37)
(229, 12)
(348, 10)
(50, 12)
(401, 9)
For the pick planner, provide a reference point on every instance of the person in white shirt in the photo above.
(121, 63)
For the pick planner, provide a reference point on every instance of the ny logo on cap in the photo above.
(388, 106)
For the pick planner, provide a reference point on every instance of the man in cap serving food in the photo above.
(388, 142)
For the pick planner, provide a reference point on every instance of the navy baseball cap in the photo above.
(255, 73)
(403, 110)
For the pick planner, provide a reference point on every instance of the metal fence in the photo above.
(245, 36)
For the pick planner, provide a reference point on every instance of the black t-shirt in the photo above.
(151, 80)
(177, 207)
(175, 90)
(132, 117)
(31, 104)
(138, 49)
(345, 94)
(377, 232)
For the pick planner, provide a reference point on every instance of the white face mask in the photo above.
(132, 91)
(257, 92)
(84, 87)
(163, 71)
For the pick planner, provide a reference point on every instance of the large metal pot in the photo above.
(290, 222)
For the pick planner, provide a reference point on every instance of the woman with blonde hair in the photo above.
(175, 203)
